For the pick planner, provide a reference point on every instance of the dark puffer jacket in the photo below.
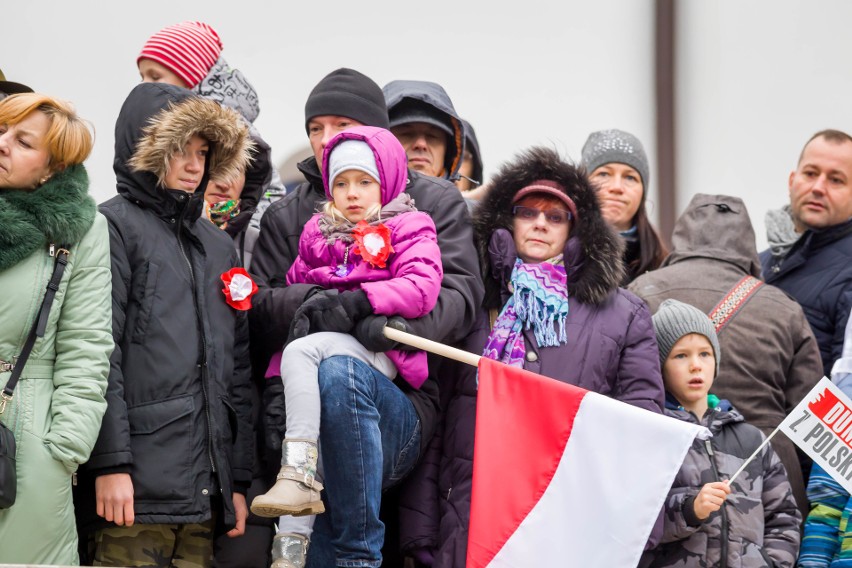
(458, 301)
(179, 403)
(611, 348)
(759, 524)
(817, 272)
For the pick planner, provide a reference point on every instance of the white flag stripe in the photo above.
(610, 485)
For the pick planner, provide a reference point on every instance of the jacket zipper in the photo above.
(722, 511)
(200, 324)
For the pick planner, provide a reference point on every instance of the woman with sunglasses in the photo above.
(552, 268)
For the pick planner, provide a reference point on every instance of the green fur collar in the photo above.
(58, 212)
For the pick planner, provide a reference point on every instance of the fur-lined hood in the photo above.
(593, 252)
(156, 121)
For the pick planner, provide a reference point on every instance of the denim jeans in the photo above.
(369, 440)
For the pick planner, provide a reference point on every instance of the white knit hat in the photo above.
(352, 155)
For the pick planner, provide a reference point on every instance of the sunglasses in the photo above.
(553, 216)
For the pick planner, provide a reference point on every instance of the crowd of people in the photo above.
(213, 385)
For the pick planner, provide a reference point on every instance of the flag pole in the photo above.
(757, 451)
(432, 346)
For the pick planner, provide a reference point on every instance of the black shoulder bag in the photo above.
(8, 475)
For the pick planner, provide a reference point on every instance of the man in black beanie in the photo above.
(383, 430)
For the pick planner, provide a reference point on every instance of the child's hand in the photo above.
(710, 498)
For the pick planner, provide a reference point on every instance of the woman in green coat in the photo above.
(58, 403)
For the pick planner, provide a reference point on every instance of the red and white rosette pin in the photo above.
(372, 243)
(239, 288)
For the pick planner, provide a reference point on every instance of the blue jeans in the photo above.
(370, 440)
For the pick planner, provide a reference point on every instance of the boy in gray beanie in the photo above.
(717, 522)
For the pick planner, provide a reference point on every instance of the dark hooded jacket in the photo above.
(758, 525)
(817, 273)
(770, 359)
(611, 347)
(450, 320)
(403, 97)
(179, 386)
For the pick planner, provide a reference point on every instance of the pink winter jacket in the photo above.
(407, 287)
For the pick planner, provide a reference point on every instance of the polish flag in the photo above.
(563, 476)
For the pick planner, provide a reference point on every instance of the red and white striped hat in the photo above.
(189, 49)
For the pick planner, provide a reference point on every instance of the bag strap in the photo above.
(733, 301)
(39, 325)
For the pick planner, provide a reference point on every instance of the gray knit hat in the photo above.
(608, 146)
(675, 319)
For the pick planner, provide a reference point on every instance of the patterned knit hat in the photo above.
(188, 49)
(615, 146)
(675, 319)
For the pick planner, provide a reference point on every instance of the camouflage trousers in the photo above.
(156, 546)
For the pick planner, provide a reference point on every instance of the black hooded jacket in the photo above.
(277, 247)
(178, 398)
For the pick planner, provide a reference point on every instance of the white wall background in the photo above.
(755, 78)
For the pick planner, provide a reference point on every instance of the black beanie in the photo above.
(348, 93)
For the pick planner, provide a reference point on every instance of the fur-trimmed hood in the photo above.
(593, 252)
(156, 121)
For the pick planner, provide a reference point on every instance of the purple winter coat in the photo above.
(611, 349)
(409, 285)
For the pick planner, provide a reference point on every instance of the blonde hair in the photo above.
(69, 138)
(336, 214)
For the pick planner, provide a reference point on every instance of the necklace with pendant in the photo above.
(344, 268)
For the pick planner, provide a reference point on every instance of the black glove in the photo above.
(370, 332)
(329, 310)
(274, 414)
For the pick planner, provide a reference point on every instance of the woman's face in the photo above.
(539, 237)
(24, 158)
(187, 168)
(619, 190)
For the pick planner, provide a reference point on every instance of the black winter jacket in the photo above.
(461, 289)
(817, 273)
(179, 401)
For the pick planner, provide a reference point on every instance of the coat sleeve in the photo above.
(805, 369)
(782, 519)
(844, 305)
(822, 538)
(679, 522)
(242, 463)
(415, 268)
(112, 451)
(461, 288)
(83, 346)
(274, 304)
(639, 380)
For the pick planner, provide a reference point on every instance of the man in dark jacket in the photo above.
(424, 120)
(174, 454)
(344, 99)
(810, 254)
(771, 356)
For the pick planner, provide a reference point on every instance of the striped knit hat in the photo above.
(189, 49)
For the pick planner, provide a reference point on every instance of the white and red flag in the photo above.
(563, 476)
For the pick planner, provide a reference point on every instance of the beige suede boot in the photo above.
(289, 550)
(296, 491)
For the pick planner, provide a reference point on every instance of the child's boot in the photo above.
(289, 550)
(296, 491)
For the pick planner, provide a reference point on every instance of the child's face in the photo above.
(187, 168)
(689, 369)
(355, 193)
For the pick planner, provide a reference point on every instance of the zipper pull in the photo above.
(709, 447)
(51, 250)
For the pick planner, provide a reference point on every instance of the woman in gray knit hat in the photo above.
(618, 167)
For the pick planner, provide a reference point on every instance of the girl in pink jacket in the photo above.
(371, 247)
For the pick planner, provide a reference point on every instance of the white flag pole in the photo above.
(432, 346)
(757, 451)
